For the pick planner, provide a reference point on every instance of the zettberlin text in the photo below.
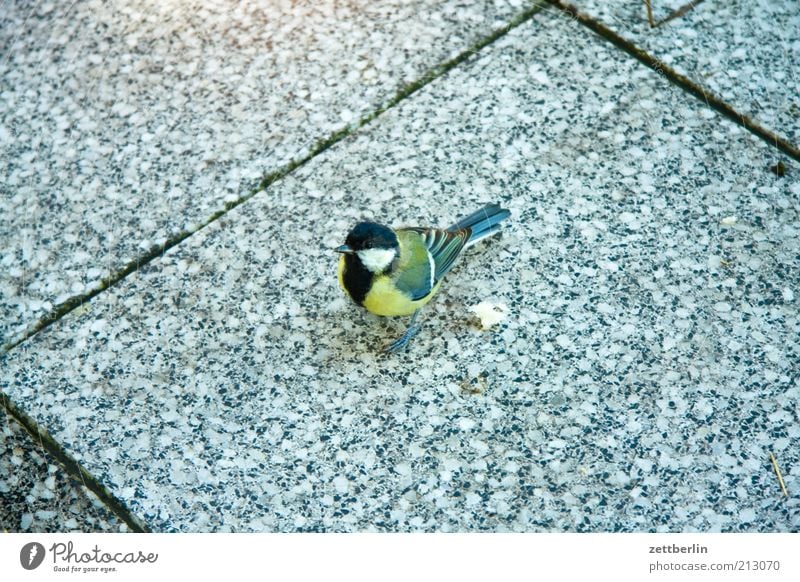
(675, 549)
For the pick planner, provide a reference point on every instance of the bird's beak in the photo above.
(345, 249)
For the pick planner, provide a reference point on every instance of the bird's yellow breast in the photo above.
(341, 273)
(384, 298)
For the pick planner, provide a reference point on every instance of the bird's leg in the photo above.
(400, 343)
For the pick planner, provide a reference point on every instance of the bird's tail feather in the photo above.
(484, 222)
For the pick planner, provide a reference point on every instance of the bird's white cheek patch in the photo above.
(376, 260)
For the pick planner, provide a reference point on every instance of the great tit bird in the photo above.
(396, 272)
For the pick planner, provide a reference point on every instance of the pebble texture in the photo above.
(745, 51)
(124, 123)
(37, 496)
(644, 372)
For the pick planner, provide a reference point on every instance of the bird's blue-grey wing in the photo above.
(444, 246)
(415, 272)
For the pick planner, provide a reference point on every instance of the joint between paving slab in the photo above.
(73, 467)
(681, 81)
(321, 146)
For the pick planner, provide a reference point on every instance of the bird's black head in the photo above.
(371, 247)
(370, 235)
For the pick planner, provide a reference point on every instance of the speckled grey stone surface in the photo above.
(745, 51)
(36, 495)
(647, 367)
(123, 123)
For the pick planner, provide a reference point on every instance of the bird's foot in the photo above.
(401, 343)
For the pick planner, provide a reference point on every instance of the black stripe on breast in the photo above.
(356, 278)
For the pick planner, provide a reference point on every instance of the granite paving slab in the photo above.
(36, 494)
(124, 124)
(745, 51)
(646, 368)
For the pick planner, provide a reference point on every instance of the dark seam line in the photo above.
(681, 81)
(677, 13)
(73, 467)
